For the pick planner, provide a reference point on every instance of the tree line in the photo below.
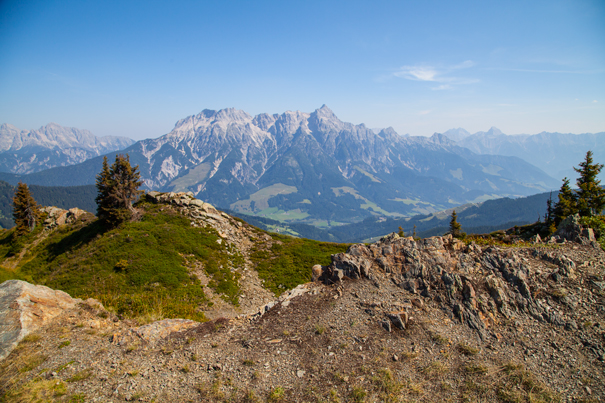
(117, 189)
(587, 200)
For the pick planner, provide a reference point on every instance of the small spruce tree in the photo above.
(25, 210)
(104, 203)
(590, 195)
(567, 204)
(118, 187)
(550, 210)
(455, 227)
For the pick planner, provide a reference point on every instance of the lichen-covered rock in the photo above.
(25, 307)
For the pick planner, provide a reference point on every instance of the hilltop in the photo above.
(429, 320)
(183, 259)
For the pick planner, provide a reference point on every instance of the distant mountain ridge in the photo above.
(311, 167)
(554, 153)
(476, 218)
(27, 151)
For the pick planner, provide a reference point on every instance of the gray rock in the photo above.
(317, 272)
(25, 307)
(353, 266)
(337, 276)
(397, 320)
(570, 229)
(535, 239)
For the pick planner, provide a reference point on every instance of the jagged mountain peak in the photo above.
(388, 133)
(232, 115)
(5, 126)
(494, 131)
(442, 139)
(325, 112)
(53, 125)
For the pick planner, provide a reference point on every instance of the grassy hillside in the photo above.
(144, 269)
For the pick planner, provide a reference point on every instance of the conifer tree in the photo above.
(590, 195)
(567, 204)
(550, 211)
(103, 184)
(455, 227)
(25, 210)
(118, 187)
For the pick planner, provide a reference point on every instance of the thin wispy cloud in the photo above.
(434, 74)
(417, 73)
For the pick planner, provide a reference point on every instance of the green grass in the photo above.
(138, 269)
(141, 270)
(6, 274)
(12, 244)
(261, 198)
(80, 376)
(288, 263)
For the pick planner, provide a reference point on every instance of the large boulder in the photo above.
(570, 229)
(25, 307)
(57, 216)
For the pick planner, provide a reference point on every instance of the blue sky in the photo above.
(133, 68)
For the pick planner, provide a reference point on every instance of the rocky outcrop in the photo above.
(57, 216)
(570, 229)
(24, 308)
(481, 285)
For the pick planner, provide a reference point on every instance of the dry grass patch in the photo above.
(467, 349)
(31, 362)
(80, 376)
(37, 390)
(435, 368)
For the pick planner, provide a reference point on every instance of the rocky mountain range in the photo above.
(554, 153)
(312, 167)
(27, 151)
